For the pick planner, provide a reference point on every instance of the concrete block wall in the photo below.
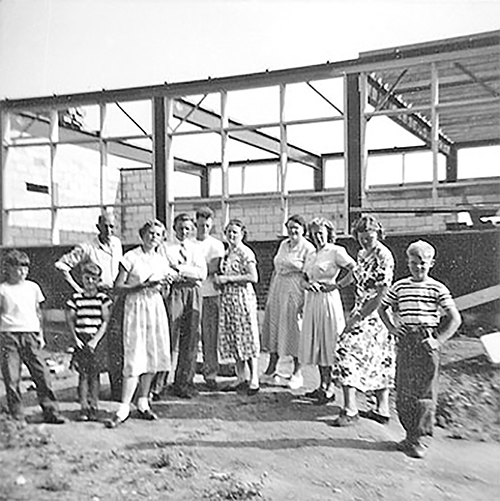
(262, 213)
(77, 181)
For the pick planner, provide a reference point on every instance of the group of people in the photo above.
(390, 338)
(141, 315)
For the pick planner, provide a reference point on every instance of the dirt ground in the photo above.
(272, 446)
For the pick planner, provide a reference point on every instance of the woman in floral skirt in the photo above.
(365, 349)
(238, 325)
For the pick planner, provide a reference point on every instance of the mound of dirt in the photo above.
(469, 396)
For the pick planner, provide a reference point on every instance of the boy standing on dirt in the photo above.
(423, 317)
(21, 339)
(88, 316)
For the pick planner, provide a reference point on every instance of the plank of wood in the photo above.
(478, 297)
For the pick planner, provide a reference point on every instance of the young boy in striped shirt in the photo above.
(88, 316)
(420, 312)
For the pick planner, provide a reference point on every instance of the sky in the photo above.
(52, 47)
(66, 46)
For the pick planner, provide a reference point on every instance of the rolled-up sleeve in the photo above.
(71, 259)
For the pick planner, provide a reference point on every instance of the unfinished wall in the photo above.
(262, 213)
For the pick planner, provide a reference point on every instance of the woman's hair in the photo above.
(297, 218)
(322, 222)
(239, 223)
(16, 258)
(151, 223)
(368, 223)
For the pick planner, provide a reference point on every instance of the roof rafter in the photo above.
(40, 127)
(206, 119)
(413, 122)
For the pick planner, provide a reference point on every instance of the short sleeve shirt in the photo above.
(142, 266)
(418, 303)
(19, 304)
(325, 264)
(292, 259)
(212, 248)
(108, 257)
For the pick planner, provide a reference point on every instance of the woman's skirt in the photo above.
(283, 315)
(322, 323)
(146, 337)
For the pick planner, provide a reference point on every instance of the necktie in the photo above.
(182, 254)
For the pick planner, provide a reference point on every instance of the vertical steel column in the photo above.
(159, 160)
(363, 100)
(224, 159)
(4, 140)
(170, 165)
(205, 183)
(319, 176)
(103, 152)
(353, 155)
(283, 166)
(54, 188)
(243, 178)
(452, 165)
(434, 131)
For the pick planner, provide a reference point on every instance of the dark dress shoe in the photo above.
(346, 420)
(83, 416)
(115, 421)
(211, 385)
(53, 417)
(375, 416)
(148, 415)
(313, 394)
(240, 387)
(323, 398)
(93, 414)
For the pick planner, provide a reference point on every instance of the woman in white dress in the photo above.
(146, 335)
(323, 312)
(285, 302)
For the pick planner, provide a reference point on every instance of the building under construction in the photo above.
(410, 133)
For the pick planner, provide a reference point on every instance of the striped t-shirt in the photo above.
(89, 313)
(418, 303)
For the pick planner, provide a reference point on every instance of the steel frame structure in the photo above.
(363, 85)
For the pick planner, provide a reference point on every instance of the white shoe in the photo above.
(296, 381)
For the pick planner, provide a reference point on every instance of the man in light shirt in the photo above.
(106, 251)
(213, 250)
(184, 303)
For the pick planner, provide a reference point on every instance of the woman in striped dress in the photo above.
(285, 302)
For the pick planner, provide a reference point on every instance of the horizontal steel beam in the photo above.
(207, 119)
(402, 57)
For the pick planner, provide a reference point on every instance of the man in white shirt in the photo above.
(106, 251)
(184, 303)
(213, 250)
